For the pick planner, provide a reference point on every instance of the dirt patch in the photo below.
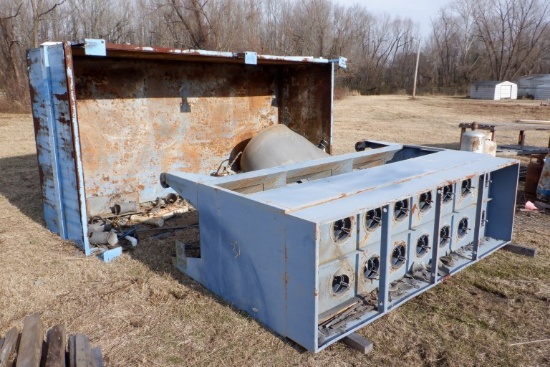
(143, 312)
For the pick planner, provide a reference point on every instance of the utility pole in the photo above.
(416, 70)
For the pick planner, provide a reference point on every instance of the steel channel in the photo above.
(385, 244)
(435, 243)
(479, 211)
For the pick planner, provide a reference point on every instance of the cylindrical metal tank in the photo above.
(473, 141)
(277, 145)
(543, 188)
(490, 148)
(532, 176)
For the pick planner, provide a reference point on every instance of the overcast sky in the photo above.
(419, 11)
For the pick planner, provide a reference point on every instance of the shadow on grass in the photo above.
(20, 185)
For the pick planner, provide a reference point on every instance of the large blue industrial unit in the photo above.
(314, 250)
(317, 259)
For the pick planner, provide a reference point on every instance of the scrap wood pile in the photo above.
(28, 348)
(126, 221)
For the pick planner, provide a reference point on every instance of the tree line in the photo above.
(469, 41)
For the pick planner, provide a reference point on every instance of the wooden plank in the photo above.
(80, 353)
(8, 347)
(32, 338)
(534, 121)
(97, 357)
(71, 347)
(506, 126)
(56, 347)
(521, 250)
(357, 342)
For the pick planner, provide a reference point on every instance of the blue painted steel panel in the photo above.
(247, 220)
(54, 141)
(110, 255)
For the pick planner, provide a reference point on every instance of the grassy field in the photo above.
(142, 312)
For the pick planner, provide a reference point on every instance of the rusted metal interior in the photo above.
(141, 114)
(109, 119)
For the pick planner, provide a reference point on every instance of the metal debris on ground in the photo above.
(122, 226)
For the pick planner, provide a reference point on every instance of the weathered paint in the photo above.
(110, 118)
(274, 251)
(54, 142)
(543, 187)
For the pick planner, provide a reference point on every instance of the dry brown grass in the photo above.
(142, 312)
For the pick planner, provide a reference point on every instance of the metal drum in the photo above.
(277, 145)
(473, 141)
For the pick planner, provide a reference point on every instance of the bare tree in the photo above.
(470, 40)
(512, 32)
(40, 9)
(11, 55)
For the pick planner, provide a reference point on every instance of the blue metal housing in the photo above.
(294, 246)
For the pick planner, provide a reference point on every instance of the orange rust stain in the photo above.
(259, 102)
(119, 133)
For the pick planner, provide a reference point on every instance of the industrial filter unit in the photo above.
(315, 248)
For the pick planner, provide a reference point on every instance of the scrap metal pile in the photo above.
(312, 245)
(119, 227)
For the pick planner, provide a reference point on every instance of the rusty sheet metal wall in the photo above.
(110, 118)
(138, 117)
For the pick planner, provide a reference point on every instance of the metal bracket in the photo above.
(250, 57)
(341, 61)
(92, 47)
(110, 255)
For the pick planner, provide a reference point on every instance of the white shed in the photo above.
(536, 86)
(490, 89)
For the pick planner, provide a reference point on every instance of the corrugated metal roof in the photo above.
(545, 77)
(534, 80)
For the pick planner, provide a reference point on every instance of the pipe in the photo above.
(171, 198)
(157, 222)
(102, 238)
(99, 227)
(174, 213)
(122, 208)
(133, 241)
